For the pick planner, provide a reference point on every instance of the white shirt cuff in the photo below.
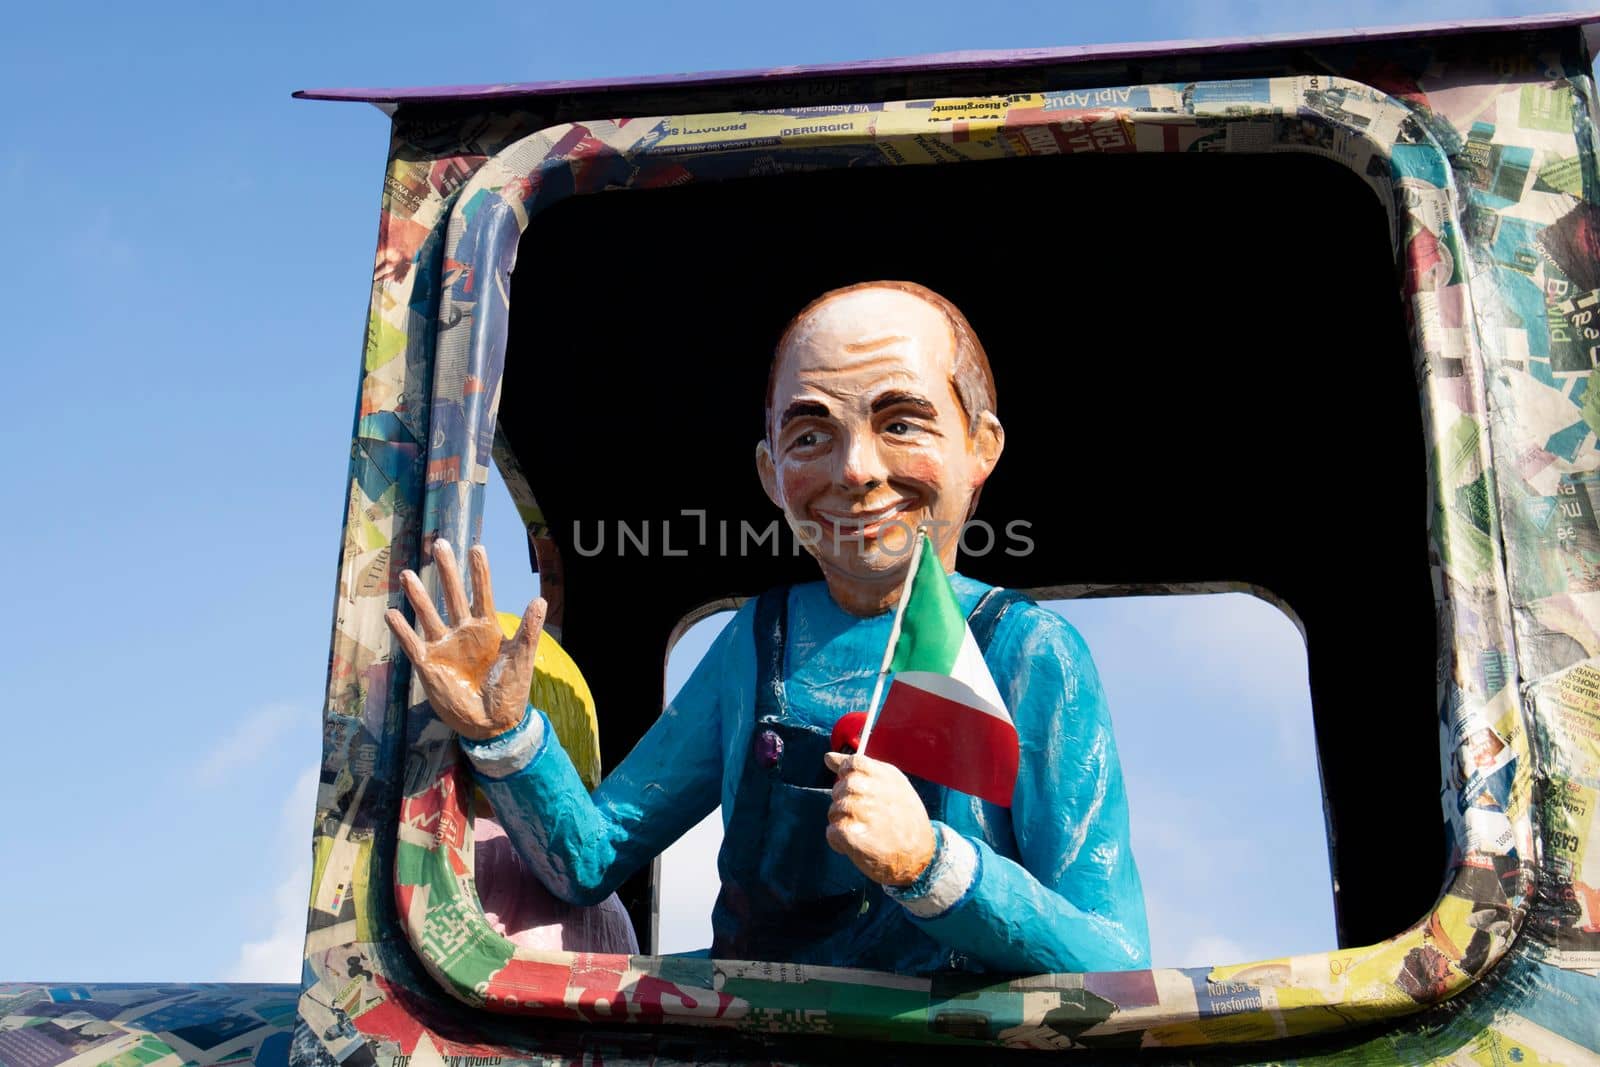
(946, 881)
(505, 754)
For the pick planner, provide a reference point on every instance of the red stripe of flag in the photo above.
(943, 741)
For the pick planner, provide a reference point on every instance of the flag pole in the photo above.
(894, 638)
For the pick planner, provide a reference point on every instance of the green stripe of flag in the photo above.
(933, 627)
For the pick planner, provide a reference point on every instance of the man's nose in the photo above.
(860, 465)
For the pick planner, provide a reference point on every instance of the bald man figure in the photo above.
(880, 418)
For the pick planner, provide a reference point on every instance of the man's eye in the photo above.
(808, 439)
(899, 428)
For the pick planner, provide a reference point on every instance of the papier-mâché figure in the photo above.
(880, 420)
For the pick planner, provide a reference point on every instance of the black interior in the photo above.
(1203, 371)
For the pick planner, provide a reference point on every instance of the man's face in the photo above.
(868, 438)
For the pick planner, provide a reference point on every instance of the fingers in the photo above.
(856, 796)
(845, 763)
(455, 592)
(532, 623)
(845, 838)
(415, 649)
(857, 777)
(422, 604)
(847, 808)
(526, 641)
(482, 593)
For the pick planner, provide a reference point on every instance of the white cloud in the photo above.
(251, 736)
(1249, 652)
(1211, 950)
(276, 957)
(1190, 865)
(689, 885)
(1185, 931)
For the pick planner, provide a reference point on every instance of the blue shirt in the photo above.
(1047, 885)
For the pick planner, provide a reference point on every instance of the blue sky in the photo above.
(189, 254)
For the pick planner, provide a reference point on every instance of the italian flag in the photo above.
(943, 719)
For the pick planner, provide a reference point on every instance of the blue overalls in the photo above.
(786, 894)
(1053, 885)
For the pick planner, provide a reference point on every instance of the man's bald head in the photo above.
(970, 375)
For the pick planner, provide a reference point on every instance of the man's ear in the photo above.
(987, 444)
(767, 471)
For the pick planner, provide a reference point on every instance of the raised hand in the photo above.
(476, 681)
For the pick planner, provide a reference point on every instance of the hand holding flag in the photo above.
(877, 820)
(943, 720)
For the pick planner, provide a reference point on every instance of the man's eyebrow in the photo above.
(874, 344)
(802, 409)
(899, 398)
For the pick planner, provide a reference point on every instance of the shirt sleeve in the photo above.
(1072, 901)
(582, 845)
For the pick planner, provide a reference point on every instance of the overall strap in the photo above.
(990, 609)
(772, 613)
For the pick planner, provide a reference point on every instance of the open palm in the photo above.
(476, 680)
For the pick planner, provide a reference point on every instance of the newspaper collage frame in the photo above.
(445, 320)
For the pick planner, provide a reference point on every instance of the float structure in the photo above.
(1477, 140)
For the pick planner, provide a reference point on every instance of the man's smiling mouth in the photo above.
(867, 524)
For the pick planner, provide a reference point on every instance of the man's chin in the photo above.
(874, 567)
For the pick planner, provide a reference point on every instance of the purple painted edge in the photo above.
(952, 61)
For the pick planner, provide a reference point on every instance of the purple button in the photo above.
(769, 749)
